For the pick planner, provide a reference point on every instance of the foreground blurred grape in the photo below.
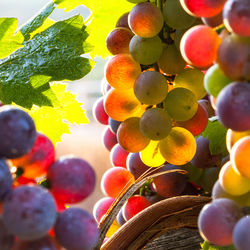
(5, 180)
(29, 212)
(101, 207)
(76, 229)
(6, 238)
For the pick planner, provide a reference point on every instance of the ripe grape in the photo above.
(236, 15)
(120, 219)
(121, 71)
(134, 205)
(234, 136)
(108, 138)
(191, 79)
(118, 156)
(145, 20)
(208, 178)
(18, 132)
(203, 8)
(105, 87)
(215, 80)
(101, 207)
(151, 155)
(130, 136)
(217, 220)
(6, 238)
(118, 39)
(171, 60)
(175, 16)
(233, 106)
(178, 147)
(36, 162)
(170, 184)
(114, 181)
(155, 124)
(151, 87)
(240, 156)
(99, 113)
(232, 182)
(181, 104)
(177, 37)
(199, 46)
(121, 104)
(233, 57)
(72, 179)
(76, 229)
(213, 21)
(197, 123)
(208, 107)
(145, 51)
(123, 21)
(5, 180)
(29, 212)
(113, 125)
(241, 234)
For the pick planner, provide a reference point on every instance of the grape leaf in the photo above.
(68, 4)
(207, 246)
(215, 132)
(56, 53)
(105, 14)
(9, 41)
(55, 121)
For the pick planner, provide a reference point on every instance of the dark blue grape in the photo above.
(5, 180)
(114, 125)
(17, 133)
(76, 229)
(6, 238)
(29, 212)
(120, 218)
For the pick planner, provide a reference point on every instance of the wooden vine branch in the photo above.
(161, 217)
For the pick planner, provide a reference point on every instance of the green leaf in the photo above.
(55, 121)
(55, 53)
(9, 41)
(37, 21)
(207, 246)
(215, 132)
(68, 4)
(105, 14)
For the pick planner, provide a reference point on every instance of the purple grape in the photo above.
(114, 125)
(208, 178)
(72, 179)
(29, 212)
(241, 234)
(5, 179)
(203, 157)
(76, 229)
(17, 133)
(170, 184)
(120, 218)
(108, 138)
(6, 238)
(135, 165)
(217, 220)
(44, 243)
(233, 106)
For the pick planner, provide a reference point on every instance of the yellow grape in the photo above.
(151, 155)
(179, 147)
(234, 136)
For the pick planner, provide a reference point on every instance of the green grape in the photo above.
(181, 104)
(155, 124)
(151, 87)
(191, 79)
(146, 50)
(177, 37)
(175, 16)
(137, 1)
(215, 80)
(171, 61)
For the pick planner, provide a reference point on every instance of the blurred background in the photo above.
(85, 139)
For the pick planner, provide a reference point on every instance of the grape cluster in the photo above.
(174, 65)
(35, 188)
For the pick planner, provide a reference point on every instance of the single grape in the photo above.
(118, 156)
(179, 147)
(175, 16)
(108, 138)
(177, 37)
(105, 87)
(130, 137)
(120, 219)
(72, 179)
(151, 87)
(208, 107)
(5, 180)
(170, 184)
(99, 112)
(76, 229)
(29, 212)
(236, 16)
(6, 238)
(217, 220)
(101, 207)
(113, 125)
(123, 21)
(18, 132)
(234, 136)
(213, 21)
(171, 60)
(181, 104)
(145, 20)
(233, 106)
(115, 180)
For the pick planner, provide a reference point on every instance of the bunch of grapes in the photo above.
(35, 188)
